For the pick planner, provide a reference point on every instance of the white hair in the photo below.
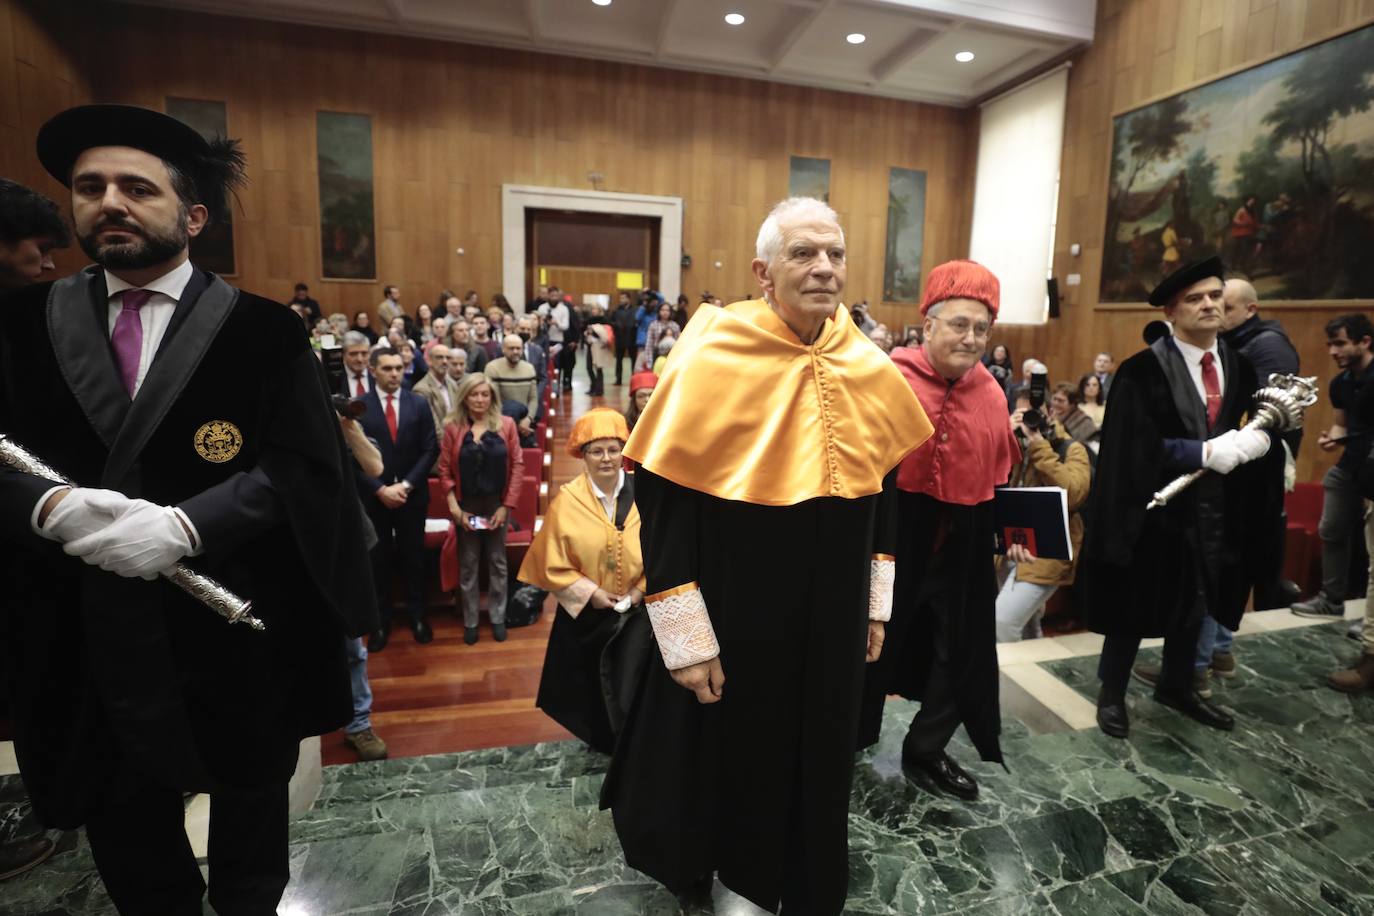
(793, 209)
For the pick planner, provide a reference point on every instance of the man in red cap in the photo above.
(941, 643)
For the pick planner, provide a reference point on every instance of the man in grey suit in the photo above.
(437, 388)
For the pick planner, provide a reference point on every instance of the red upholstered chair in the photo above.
(525, 515)
(437, 508)
(1302, 545)
(1304, 506)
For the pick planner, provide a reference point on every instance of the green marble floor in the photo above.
(1275, 818)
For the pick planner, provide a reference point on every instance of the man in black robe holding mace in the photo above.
(197, 420)
(765, 492)
(1176, 407)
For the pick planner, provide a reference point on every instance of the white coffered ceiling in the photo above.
(908, 52)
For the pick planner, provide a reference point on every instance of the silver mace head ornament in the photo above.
(1279, 405)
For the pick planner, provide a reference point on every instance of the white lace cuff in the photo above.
(682, 626)
(575, 597)
(883, 573)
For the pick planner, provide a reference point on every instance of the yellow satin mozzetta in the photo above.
(577, 541)
(745, 411)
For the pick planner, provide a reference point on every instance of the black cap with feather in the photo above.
(214, 167)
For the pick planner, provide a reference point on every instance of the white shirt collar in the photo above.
(171, 284)
(1193, 355)
(619, 485)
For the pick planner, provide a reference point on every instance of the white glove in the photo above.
(1222, 454)
(83, 511)
(143, 541)
(1253, 444)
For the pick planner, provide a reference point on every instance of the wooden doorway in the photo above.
(591, 253)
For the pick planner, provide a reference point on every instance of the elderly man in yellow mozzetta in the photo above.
(587, 555)
(765, 486)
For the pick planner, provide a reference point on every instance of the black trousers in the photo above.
(938, 718)
(567, 359)
(623, 350)
(1118, 655)
(143, 855)
(400, 550)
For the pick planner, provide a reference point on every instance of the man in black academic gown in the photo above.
(1175, 408)
(128, 692)
(765, 496)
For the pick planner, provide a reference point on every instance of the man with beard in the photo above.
(30, 228)
(941, 649)
(764, 492)
(128, 691)
(1172, 570)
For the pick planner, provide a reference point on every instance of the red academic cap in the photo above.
(962, 280)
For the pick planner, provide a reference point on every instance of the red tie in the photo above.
(362, 389)
(391, 412)
(1213, 388)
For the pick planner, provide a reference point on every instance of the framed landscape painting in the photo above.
(1271, 168)
(348, 231)
(213, 249)
(809, 178)
(906, 218)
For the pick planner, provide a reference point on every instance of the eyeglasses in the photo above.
(962, 326)
(603, 453)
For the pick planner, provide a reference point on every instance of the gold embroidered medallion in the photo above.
(218, 441)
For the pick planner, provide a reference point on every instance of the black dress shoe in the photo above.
(945, 773)
(18, 856)
(498, 632)
(377, 641)
(1113, 720)
(469, 635)
(1197, 709)
(423, 634)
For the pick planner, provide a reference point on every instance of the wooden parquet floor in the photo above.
(448, 696)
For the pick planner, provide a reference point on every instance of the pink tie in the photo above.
(128, 337)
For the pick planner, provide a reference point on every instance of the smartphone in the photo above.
(479, 523)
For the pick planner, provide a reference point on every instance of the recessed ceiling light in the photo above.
(734, 18)
(856, 38)
(602, 2)
(964, 57)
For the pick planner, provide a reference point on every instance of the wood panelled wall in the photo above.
(1145, 49)
(38, 78)
(452, 123)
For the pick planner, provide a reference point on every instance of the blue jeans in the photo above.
(1212, 638)
(362, 690)
(1020, 605)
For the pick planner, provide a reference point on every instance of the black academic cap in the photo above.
(1185, 277)
(215, 167)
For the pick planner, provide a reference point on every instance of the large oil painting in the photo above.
(906, 218)
(1272, 168)
(809, 177)
(213, 249)
(348, 233)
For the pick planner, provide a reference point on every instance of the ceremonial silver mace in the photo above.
(1278, 406)
(204, 589)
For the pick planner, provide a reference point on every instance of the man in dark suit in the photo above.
(357, 381)
(536, 356)
(401, 424)
(1103, 366)
(129, 692)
